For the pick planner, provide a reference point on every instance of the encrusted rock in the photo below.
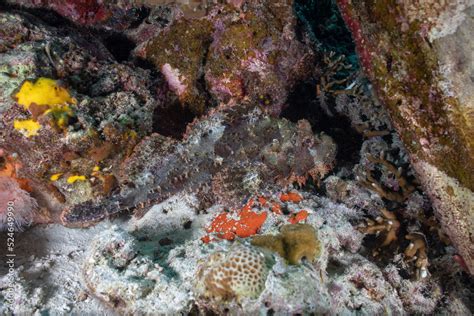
(406, 48)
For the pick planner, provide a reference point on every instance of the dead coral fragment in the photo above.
(387, 224)
(235, 274)
(416, 251)
(294, 243)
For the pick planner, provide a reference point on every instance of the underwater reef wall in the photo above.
(115, 138)
(418, 55)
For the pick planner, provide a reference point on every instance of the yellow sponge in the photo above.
(27, 127)
(44, 91)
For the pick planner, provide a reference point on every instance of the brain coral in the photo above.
(235, 274)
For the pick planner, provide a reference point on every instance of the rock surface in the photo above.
(419, 57)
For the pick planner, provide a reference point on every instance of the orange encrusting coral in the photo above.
(246, 222)
(298, 217)
(291, 197)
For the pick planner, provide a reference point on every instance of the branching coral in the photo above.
(334, 65)
(416, 251)
(387, 224)
(329, 81)
(369, 181)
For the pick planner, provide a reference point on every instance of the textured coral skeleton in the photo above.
(239, 273)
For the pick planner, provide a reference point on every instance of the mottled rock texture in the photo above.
(111, 14)
(231, 54)
(125, 144)
(418, 54)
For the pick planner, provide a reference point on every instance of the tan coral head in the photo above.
(294, 243)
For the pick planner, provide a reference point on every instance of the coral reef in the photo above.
(248, 52)
(130, 272)
(75, 137)
(115, 109)
(233, 158)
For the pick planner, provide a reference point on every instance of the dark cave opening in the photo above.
(172, 120)
(304, 104)
(119, 45)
